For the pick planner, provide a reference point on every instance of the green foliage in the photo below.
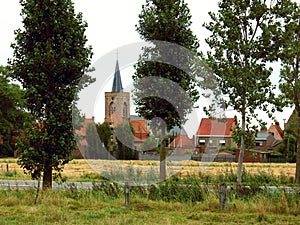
(50, 60)
(90, 207)
(171, 191)
(12, 106)
(125, 142)
(105, 134)
(240, 46)
(232, 149)
(168, 21)
(6, 150)
(289, 55)
(134, 175)
(149, 144)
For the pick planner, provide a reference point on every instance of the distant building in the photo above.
(117, 102)
(213, 134)
(141, 132)
(276, 131)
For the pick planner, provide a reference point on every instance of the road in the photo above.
(30, 185)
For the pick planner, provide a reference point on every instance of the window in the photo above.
(211, 142)
(222, 142)
(125, 110)
(259, 143)
(201, 142)
(112, 108)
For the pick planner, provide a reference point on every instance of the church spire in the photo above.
(117, 84)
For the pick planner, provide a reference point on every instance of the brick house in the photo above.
(264, 141)
(213, 134)
(276, 131)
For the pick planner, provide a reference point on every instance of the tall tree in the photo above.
(167, 21)
(288, 15)
(239, 41)
(50, 59)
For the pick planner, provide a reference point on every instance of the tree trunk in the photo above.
(163, 164)
(298, 151)
(241, 156)
(47, 178)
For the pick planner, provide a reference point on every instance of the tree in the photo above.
(105, 135)
(94, 147)
(50, 60)
(13, 114)
(241, 43)
(167, 21)
(289, 54)
(149, 144)
(125, 141)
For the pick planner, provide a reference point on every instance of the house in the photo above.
(213, 134)
(182, 142)
(276, 131)
(141, 132)
(264, 141)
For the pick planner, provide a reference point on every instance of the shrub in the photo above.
(6, 150)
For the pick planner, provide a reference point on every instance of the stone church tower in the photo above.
(117, 102)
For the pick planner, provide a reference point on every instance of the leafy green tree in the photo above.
(105, 135)
(50, 60)
(240, 43)
(289, 39)
(13, 114)
(125, 142)
(167, 21)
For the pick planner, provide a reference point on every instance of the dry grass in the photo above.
(77, 168)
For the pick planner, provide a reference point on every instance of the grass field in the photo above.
(80, 207)
(99, 207)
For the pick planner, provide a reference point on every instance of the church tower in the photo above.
(117, 102)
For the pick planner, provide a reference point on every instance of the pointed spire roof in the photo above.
(117, 84)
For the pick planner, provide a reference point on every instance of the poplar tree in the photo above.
(241, 44)
(167, 21)
(50, 59)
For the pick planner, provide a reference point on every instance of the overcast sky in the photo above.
(111, 24)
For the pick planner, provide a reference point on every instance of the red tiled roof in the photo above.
(182, 141)
(139, 126)
(140, 129)
(217, 127)
(278, 128)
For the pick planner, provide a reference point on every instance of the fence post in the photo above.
(127, 193)
(223, 195)
(7, 167)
